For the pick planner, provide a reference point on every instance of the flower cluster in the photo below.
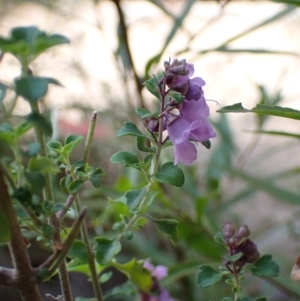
(239, 243)
(186, 122)
(157, 292)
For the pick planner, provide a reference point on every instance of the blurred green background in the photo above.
(246, 51)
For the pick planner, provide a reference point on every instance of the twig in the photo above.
(23, 272)
(126, 44)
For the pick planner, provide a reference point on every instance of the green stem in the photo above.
(153, 168)
(53, 220)
(91, 256)
(83, 230)
(237, 286)
(89, 137)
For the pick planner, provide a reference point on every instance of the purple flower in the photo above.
(158, 272)
(191, 125)
(157, 292)
(182, 82)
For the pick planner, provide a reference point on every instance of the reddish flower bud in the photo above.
(228, 230)
(249, 250)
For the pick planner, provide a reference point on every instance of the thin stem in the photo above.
(83, 230)
(68, 242)
(91, 257)
(89, 137)
(53, 220)
(154, 164)
(126, 44)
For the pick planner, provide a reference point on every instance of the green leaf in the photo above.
(169, 227)
(141, 145)
(95, 177)
(136, 273)
(29, 41)
(74, 186)
(233, 258)
(36, 180)
(5, 228)
(44, 42)
(105, 277)
(293, 2)
(22, 128)
(130, 129)
(170, 174)
(178, 97)
(263, 109)
(151, 85)
(143, 113)
(219, 239)
(246, 299)
(106, 250)
(134, 197)
(265, 267)
(227, 299)
(270, 188)
(33, 88)
(48, 230)
(277, 133)
(42, 165)
(64, 183)
(40, 122)
(125, 158)
(73, 139)
(79, 252)
(55, 146)
(207, 276)
(70, 143)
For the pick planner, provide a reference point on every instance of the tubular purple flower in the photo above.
(191, 125)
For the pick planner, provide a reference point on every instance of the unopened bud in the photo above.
(243, 232)
(228, 230)
(152, 124)
(178, 67)
(249, 250)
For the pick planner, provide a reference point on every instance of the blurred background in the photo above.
(246, 51)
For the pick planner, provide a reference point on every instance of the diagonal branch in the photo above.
(23, 277)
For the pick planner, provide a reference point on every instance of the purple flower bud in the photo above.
(249, 250)
(243, 231)
(228, 230)
(178, 67)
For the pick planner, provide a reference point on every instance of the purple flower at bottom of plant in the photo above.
(157, 292)
(191, 125)
(158, 272)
